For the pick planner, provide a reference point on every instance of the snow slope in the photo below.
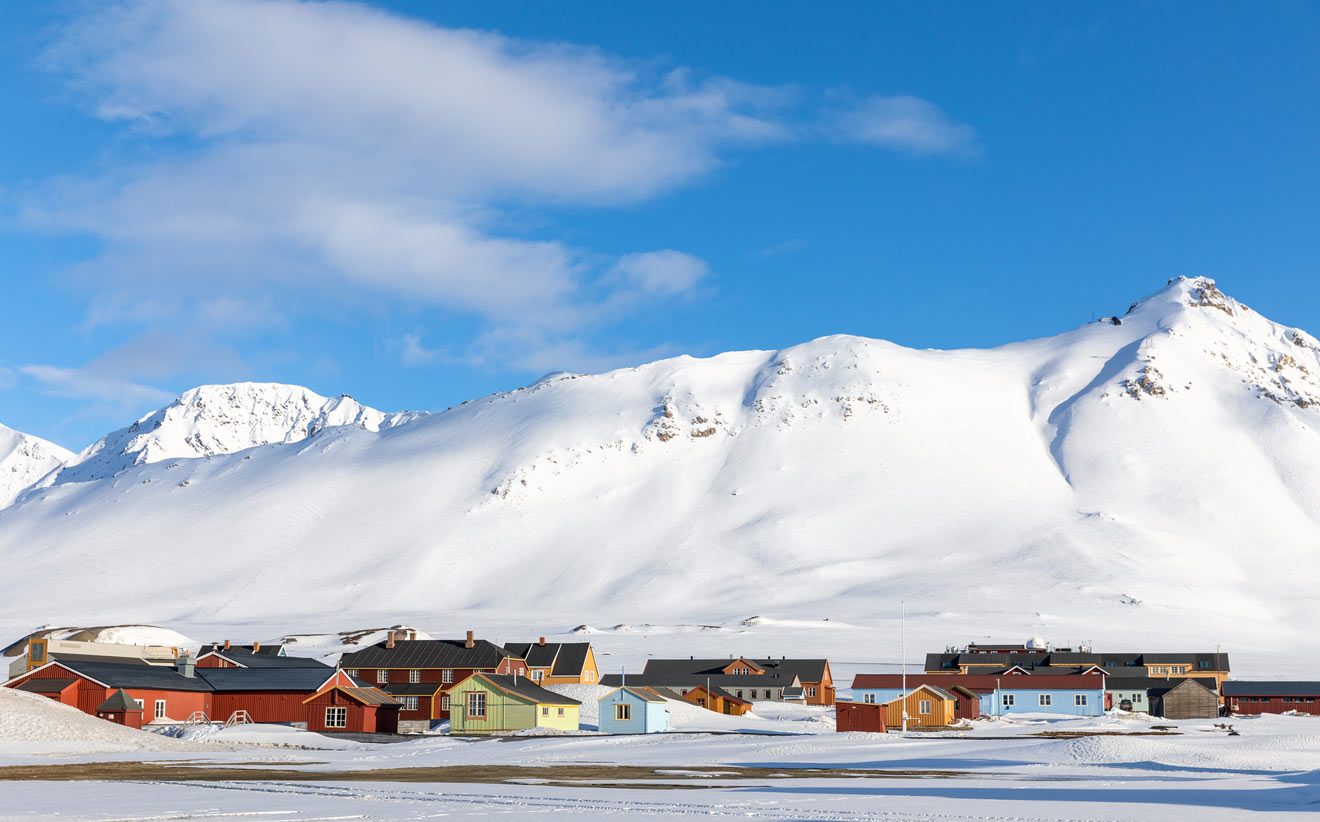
(24, 459)
(1156, 471)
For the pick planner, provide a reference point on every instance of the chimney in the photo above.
(184, 664)
(256, 646)
(471, 643)
(389, 639)
(226, 645)
(542, 642)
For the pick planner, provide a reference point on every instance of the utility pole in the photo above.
(902, 611)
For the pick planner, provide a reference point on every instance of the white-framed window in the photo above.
(811, 691)
(924, 707)
(476, 704)
(538, 675)
(1159, 669)
(382, 676)
(561, 711)
(353, 672)
(410, 703)
(336, 717)
(1045, 700)
(160, 709)
(444, 702)
(1007, 700)
(591, 676)
(414, 675)
(447, 676)
(1136, 698)
(623, 712)
(1079, 700)
(868, 698)
(545, 710)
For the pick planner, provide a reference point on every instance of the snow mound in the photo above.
(31, 724)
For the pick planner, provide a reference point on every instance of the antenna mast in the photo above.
(902, 610)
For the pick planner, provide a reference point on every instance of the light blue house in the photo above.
(1057, 695)
(633, 710)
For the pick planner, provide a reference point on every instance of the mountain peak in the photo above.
(220, 419)
(24, 459)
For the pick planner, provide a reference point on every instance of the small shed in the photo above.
(859, 716)
(633, 710)
(718, 700)
(1189, 699)
(495, 704)
(361, 710)
(121, 709)
(927, 707)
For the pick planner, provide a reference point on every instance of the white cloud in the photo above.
(905, 123)
(414, 353)
(82, 384)
(661, 273)
(8, 379)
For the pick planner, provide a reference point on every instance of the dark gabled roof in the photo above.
(535, 655)
(129, 675)
(794, 692)
(45, 686)
(808, 670)
(1272, 688)
(664, 692)
(572, 658)
(121, 660)
(1158, 684)
(412, 688)
(247, 659)
(525, 688)
(265, 679)
(563, 658)
(274, 649)
(1114, 662)
(780, 680)
(119, 701)
(427, 653)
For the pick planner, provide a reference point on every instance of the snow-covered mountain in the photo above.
(223, 419)
(24, 459)
(1155, 472)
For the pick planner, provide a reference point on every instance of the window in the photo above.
(1177, 669)
(561, 711)
(623, 712)
(38, 652)
(738, 693)
(160, 709)
(545, 711)
(1159, 669)
(1045, 700)
(1079, 700)
(537, 676)
(447, 676)
(591, 676)
(353, 672)
(868, 698)
(924, 707)
(336, 717)
(1204, 664)
(410, 703)
(811, 691)
(414, 676)
(1137, 699)
(444, 702)
(1007, 700)
(476, 704)
(382, 676)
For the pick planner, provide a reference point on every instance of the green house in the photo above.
(498, 704)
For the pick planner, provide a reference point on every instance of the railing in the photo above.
(197, 718)
(238, 718)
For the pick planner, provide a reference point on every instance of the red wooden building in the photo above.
(1274, 697)
(163, 693)
(359, 710)
(860, 716)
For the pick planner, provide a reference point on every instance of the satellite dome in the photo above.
(1036, 644)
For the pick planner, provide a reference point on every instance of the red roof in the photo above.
(983, 683)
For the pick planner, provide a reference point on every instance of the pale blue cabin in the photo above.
(633, 710)
(1017, 697)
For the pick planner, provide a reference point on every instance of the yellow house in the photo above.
(927, 707)
(500, 704)
(558, 663)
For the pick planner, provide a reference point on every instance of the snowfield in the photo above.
(1118, 482)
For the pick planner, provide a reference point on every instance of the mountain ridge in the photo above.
(1109, 473)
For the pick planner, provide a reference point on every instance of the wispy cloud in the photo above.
(413, 353)
(82, 384)
(904, 123)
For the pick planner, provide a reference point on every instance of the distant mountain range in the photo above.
(1159, 468)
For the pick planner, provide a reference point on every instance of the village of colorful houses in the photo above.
(471, 686)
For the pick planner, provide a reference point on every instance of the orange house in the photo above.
(558, 663)
(718, 700)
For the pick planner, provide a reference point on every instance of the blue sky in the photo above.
(420, 203)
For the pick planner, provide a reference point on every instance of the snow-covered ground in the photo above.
(997, 770)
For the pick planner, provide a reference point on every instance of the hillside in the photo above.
(1154, 471)
(25, 459)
